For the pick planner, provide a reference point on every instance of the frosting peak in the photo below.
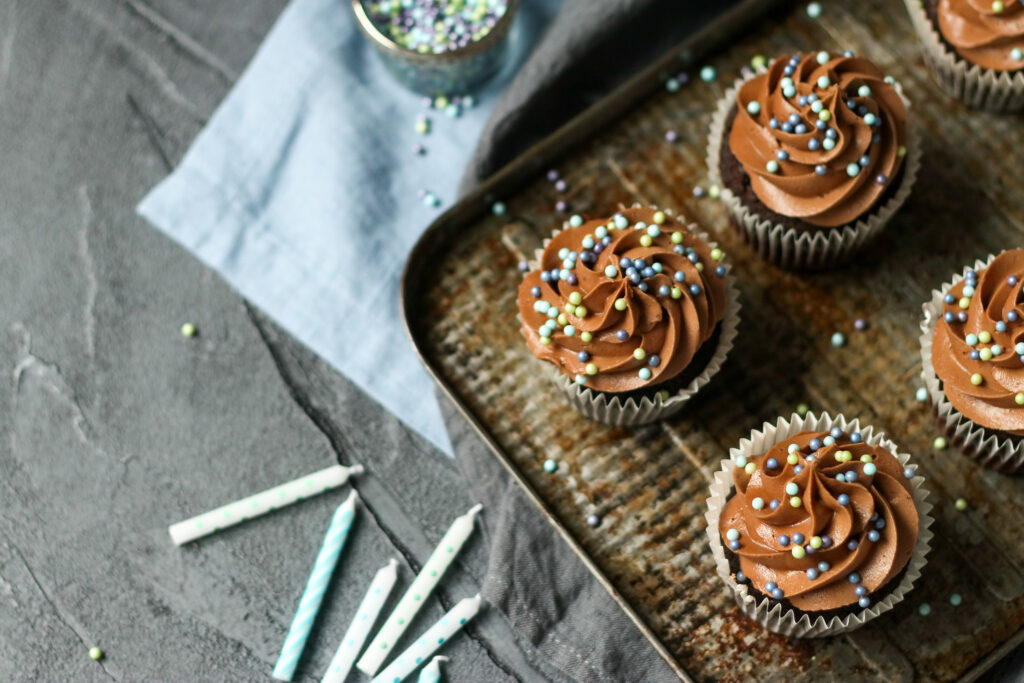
(978, 346)
(989, 34)
(822, 520)
(821, 136)
(623, 303)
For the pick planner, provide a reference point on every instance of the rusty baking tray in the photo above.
(649, 485)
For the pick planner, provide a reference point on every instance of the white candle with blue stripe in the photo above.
(436, 636)
(435, 566)
(261, 503)
(432, 672)
(319, 578)
(366, 614)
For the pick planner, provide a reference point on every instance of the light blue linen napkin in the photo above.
(302, 193)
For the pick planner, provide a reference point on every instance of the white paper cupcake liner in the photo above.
(983, 445)
(622, 412)
(976, 86)
(805, 249)
(772, 614)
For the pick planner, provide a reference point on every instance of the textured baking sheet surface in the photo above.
(649, 485)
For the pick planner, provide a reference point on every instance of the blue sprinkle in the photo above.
(962, 316)
(777, 593)
(815, 444)
(770, 586)
(624, 262)
(873, 535)
(855, 437)
(864, 602)
(654, 361)
(680, 276)
(820, 125)
(852, 545)
(773, 123)
(948, 316)
(783, 540)
(771, 463)
(735, 545)
(787, 127)
(535, 291)
(843, 499)
(820, 169)
(824, 566)
(854, 577)
(664, 290)
(813, 144)
(584, 356)
(798, 538)
(642, 286)
(720, 271)
(622, 335)
(1011, 316)
(908, 472)
(826, 541)
(880, 523)
(832, 134)
(860, 590)
(741, 577)
(812, 573)
(1000, 326)
(800, 128)
(774, 504)
(836, 432)
(851, 476)
(695, 289)
(782, 155)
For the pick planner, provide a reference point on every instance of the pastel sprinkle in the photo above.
(95, 654)
(960, 504)
(955, 599)
(802, 409)
(708, 74)
(924, 609)
(188, 330)
(921, 395)
(939, 443)
(814, 10)
(838, 339)
(550, 465)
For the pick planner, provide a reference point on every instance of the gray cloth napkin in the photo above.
(565, 621)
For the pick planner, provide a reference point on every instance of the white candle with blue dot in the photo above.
(435, 637)
(319, 578)
(432, 672)
(261, 503)
(366, 615)
(439, 561)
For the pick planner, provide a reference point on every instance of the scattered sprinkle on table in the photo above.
(758, 62)
(435, 26)
(814, 10)
(422, 125)
(524, 266)
(921, 395)
(188, 330)
(940, 443)
(708, 74)
(593, 520)
(552, 175)
(561, 206)
(955, 599)
(419, 150)
(802, 409)
(671, 136)
(432, 200)
(714, 191)
(95, 653)
(924, 609)
(860, 324)
(498, 208)
(561, 185)
(698, 192)
(960, 504)
(672, 85)
(838, 339)
(550, 465)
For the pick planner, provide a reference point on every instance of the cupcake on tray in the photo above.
(635, 312)
(818, 525)
(974, 49)
(972, 356)
(813, 157)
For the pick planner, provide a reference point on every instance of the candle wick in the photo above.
(356, 469)
(475, 509)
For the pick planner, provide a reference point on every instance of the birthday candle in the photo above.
(309, 603)
(366, 614)
(422, 585)
(432, 672)
(261, 503)
(438, 634)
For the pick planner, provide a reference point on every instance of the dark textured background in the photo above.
(113, 425)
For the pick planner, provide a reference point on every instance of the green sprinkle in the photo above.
(620, 304)
(677, 238)
(960, 504)
(188, 330)
(940, 443)
(758, 62)
(955, 599)
(798, 551)
(924, 609)
(802, 408)
(95, 653)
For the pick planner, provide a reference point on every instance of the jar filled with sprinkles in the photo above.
(438, 46)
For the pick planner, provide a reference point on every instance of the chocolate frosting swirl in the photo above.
(851, 530)
(820, 136)
(978, 344)
(982, 35)
(623, 303)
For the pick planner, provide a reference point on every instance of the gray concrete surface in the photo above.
(113, 425)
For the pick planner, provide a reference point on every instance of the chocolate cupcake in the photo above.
(972, 353)
(635, 312)
(818, 525)
(974, 49)
(813, 157)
